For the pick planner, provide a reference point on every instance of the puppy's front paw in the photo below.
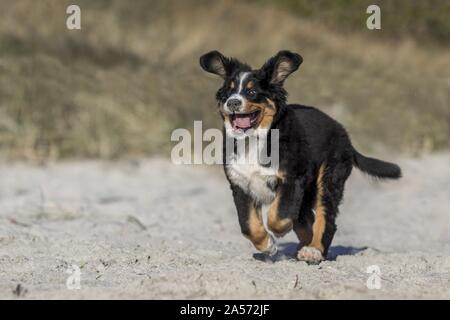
(272, 248)
(310, 255)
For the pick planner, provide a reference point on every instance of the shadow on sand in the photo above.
(288, 251)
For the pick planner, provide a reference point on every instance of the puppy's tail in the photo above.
(375, 167)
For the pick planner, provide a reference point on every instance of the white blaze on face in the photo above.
(238, 95)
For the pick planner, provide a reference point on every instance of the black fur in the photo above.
(308, 139)
(375, 167)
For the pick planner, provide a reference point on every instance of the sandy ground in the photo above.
(149, 229)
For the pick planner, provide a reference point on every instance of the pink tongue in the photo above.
(242, 122)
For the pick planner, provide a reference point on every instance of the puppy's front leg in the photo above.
(250, 220)
(285, 208)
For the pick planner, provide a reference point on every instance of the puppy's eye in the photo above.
(251, 92)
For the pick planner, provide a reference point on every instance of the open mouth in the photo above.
(244, 121)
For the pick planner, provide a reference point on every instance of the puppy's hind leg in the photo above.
(317, 227)
(322, 227)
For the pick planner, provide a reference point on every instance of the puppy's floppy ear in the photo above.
(280, 66)
(215, 62)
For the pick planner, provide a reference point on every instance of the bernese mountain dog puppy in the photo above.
(316, 156)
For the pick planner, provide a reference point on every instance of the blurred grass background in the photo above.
(117, 88)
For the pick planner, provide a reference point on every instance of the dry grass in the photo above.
(425, 21)
(118, 87)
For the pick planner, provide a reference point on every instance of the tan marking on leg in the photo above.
(278, 226)
(258, 234)
(319, 219)
(313, 252)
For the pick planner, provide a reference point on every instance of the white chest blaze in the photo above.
(244, 169)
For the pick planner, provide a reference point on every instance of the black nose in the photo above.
(234, 104)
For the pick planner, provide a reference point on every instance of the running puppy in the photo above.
(315, 156)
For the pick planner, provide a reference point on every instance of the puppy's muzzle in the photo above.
(234, 105)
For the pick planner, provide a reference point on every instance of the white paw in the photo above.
(272, 248)
(310, 255)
